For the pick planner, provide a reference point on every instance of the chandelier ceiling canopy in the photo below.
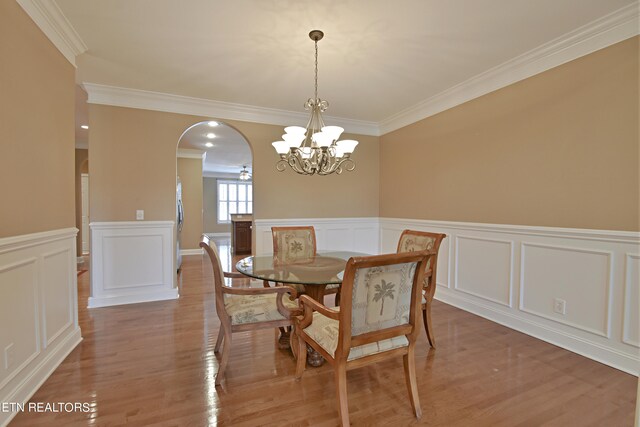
(316, 148)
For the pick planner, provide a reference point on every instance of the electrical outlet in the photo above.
(139, 215)
(560, 306)
(9, 356)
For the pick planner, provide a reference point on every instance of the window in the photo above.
(234, 197)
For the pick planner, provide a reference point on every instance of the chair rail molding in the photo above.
(348, 234)
(132, 262)
(514, 274)
(39, 309)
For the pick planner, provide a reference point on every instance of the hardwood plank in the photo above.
(153, 364)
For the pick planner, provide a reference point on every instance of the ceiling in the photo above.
(229, 153)
(377, 58)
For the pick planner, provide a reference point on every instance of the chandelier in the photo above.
(315, 149)
(244, 174)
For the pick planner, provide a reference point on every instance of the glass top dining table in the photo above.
(316, 272)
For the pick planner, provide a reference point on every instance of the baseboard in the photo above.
(225, 234)
(43, 330)
(198, 251)
(34, 380)
(98, 302)
(553, 336)
(514, 274)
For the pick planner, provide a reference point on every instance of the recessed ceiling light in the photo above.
(213, 124)
(211, 135)
(84, 127)
(209, 144)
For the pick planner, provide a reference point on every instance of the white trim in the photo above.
(50, 19)
(349, 234)
(115, 225)
(156, 101)
(132, 262)
(34, 380)
(184, 252)
(574, 331)
(189, 153)
(212, 235)
(598, 34)
(314, 221)
(220, 175)
(98, 302)
(529, 230)
(48, 262)
(27, 240)
(576, 344)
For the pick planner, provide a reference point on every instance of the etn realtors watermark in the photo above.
(56, 407)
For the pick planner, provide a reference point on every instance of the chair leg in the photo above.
(302, 357)
(341, 392)
(337, 301)
(226, 350)
(219, 340)
(410, 378)
(426, 317)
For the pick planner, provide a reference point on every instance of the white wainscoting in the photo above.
(348, 234)
(38, 310)
(513, 274)
(131, 262)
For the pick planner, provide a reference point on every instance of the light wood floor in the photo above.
(153, 364)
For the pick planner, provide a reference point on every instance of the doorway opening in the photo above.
(215, 184)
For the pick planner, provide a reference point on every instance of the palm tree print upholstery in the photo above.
(381, 297)
(254, 308)
(295, 245)
(383, 290)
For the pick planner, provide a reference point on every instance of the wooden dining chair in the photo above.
(245, 309)
(411, 240)
(295, 244)
(376, 320)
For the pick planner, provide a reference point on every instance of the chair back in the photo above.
(412, 240)
(218, 275)
(380, 298)
(291, 244)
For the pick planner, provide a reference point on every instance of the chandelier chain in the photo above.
(316, 43)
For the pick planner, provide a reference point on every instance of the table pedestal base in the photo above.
(314, 358)
(284, 341)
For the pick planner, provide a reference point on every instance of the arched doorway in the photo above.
(211, 186)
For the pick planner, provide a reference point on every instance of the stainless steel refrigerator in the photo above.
(179, 222)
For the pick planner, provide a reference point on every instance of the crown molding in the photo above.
(50, 19)
(190, 153)
(169, 103)
(598, 34)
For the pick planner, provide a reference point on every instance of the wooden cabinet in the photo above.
(241, 236)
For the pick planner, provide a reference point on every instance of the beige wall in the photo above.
(558, 149)
(81, 166)
(133, 166)
(210, 208)
(36, 128)
(190, 173)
